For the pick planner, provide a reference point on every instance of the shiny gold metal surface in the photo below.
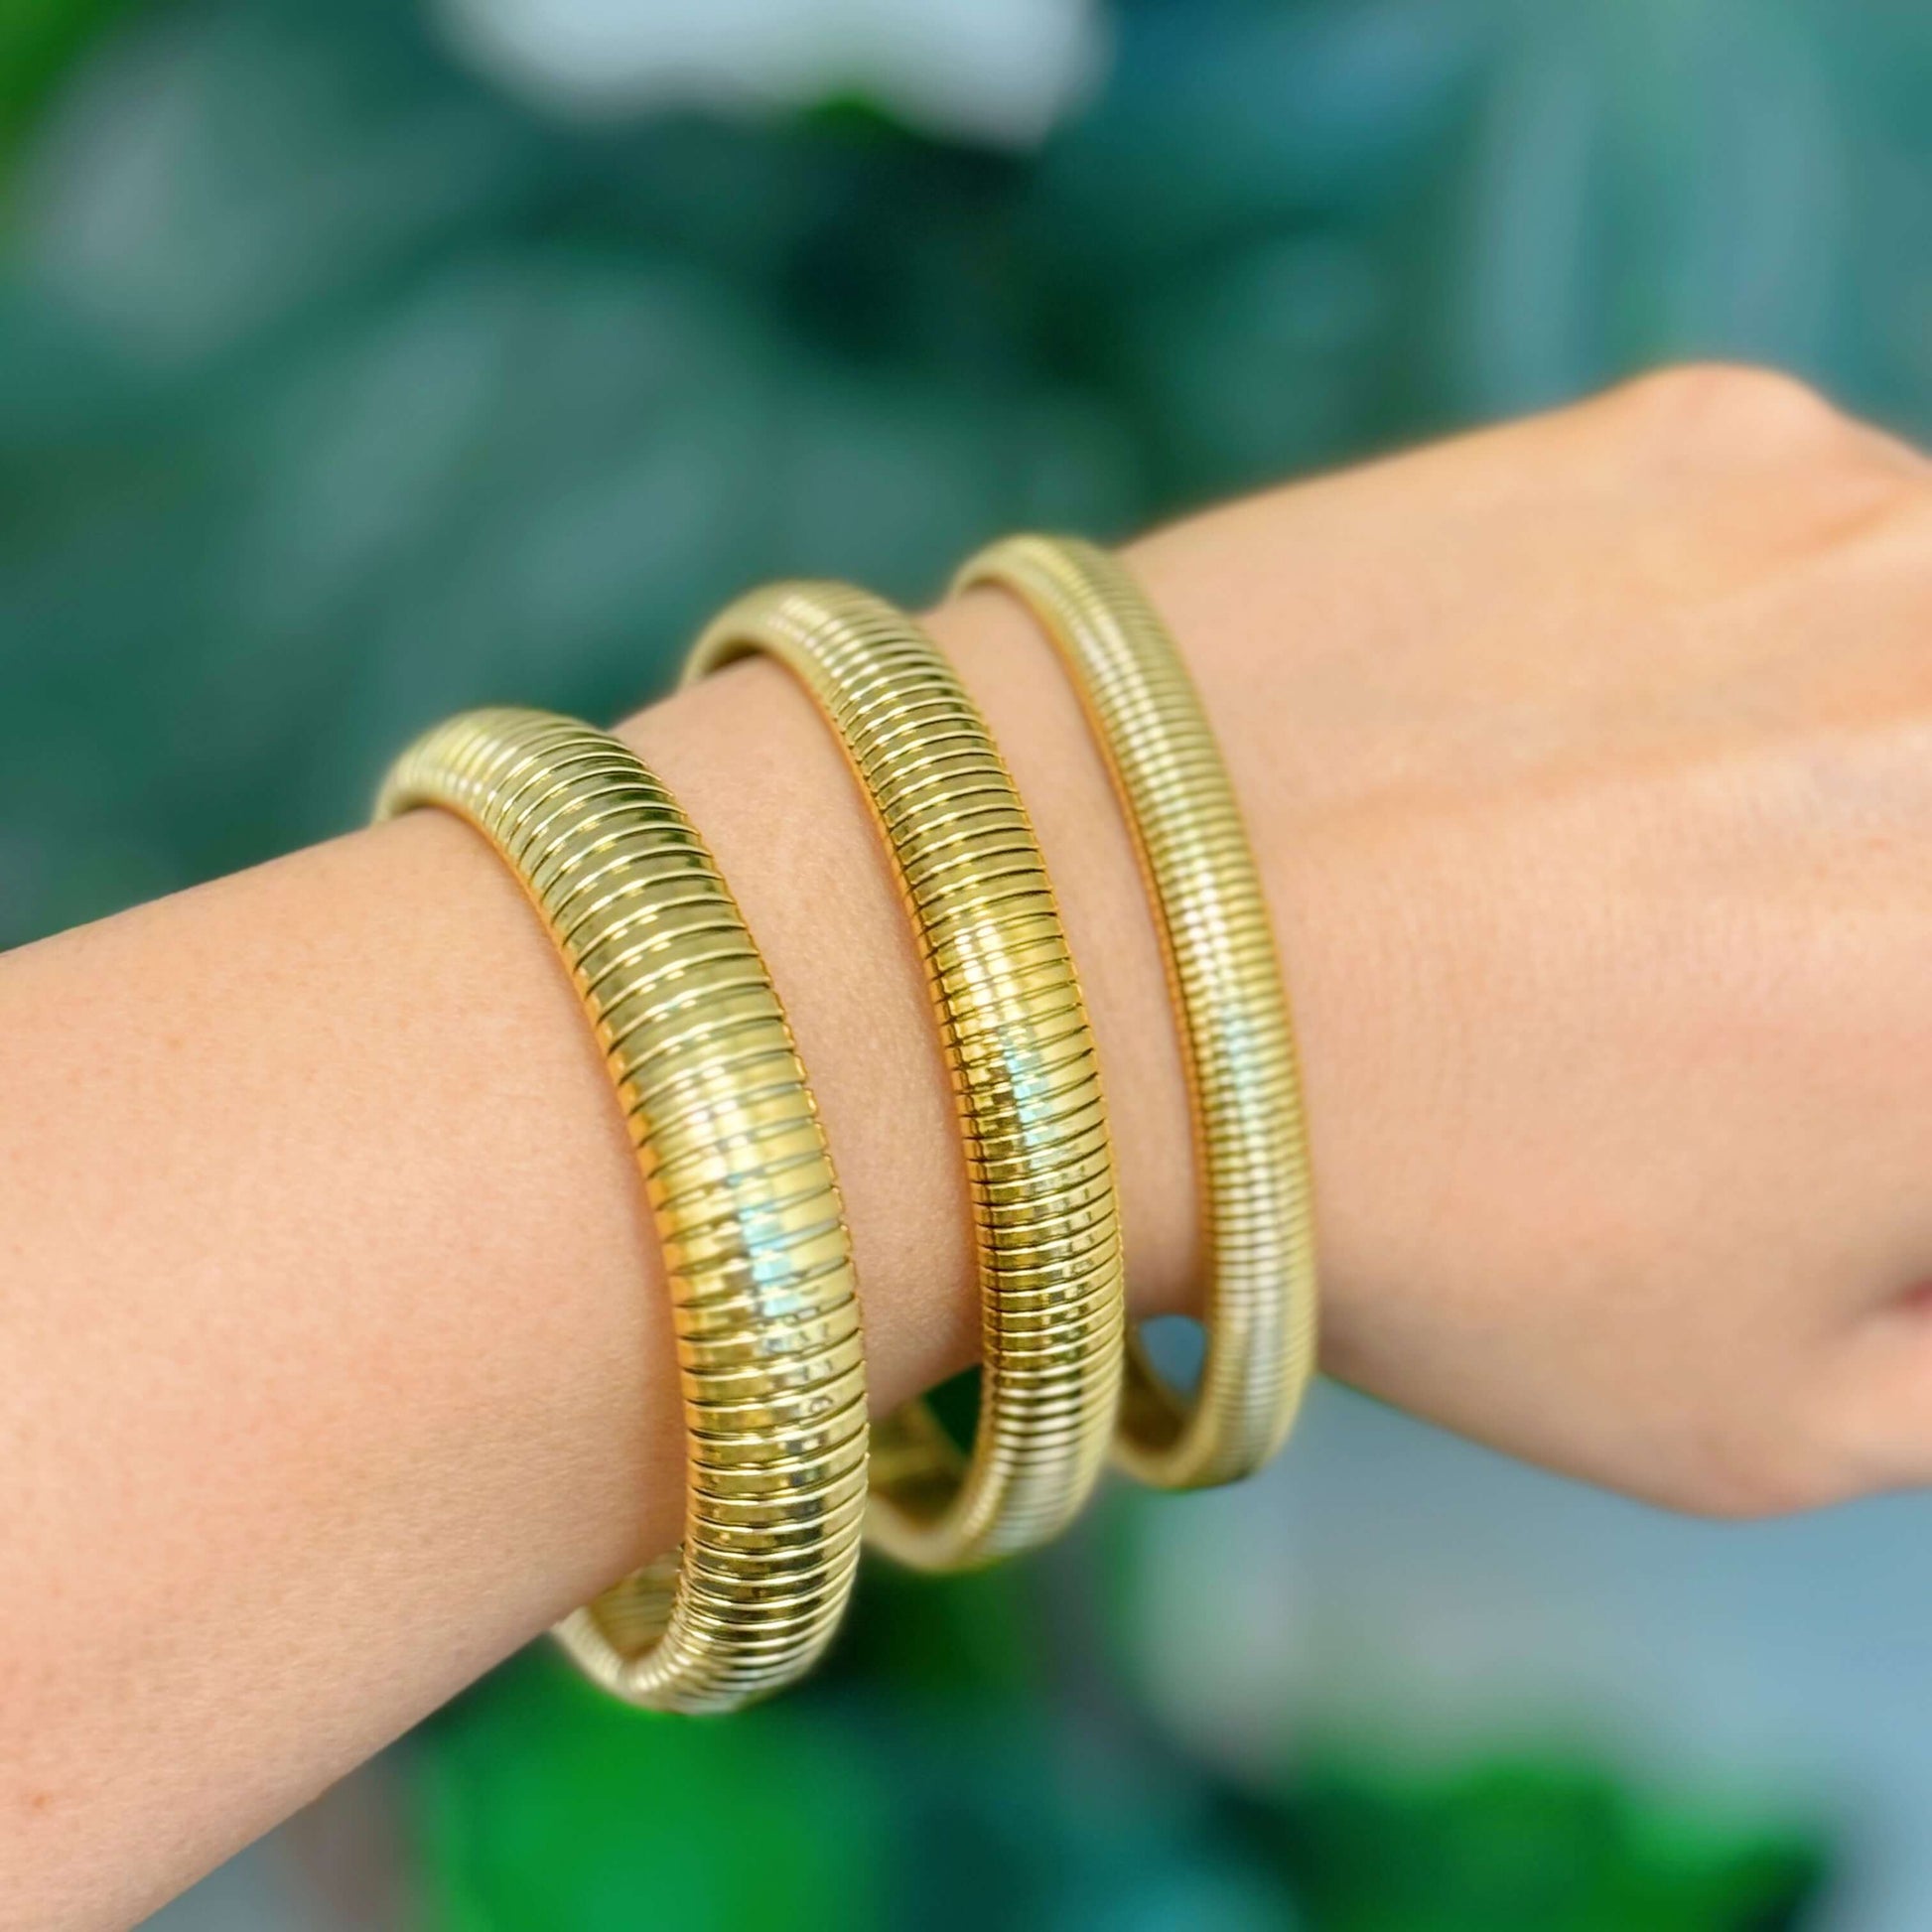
(1237, 1040)
(1025, 1077)
(739, 1186)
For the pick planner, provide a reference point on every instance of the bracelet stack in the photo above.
(784, 1476)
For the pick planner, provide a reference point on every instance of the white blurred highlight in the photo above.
(1000, 73)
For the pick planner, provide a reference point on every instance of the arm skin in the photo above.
(1589, 765)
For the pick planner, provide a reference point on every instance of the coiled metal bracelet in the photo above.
(1237, 1040)
(1025, 1076)
(742, 1190)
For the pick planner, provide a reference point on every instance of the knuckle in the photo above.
(1726, 408)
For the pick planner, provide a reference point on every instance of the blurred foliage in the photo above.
(917, 1784)
(969, 1759)
(1543, 1842)
(39, 40)
(338, 390)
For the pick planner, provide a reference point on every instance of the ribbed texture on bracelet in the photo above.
(1025, 1075)
(1228, 990)
(741, 1187)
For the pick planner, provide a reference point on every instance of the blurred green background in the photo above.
(361, 360)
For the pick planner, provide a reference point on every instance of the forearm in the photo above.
(330, 1305)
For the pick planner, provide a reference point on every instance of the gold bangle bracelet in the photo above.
(1237, 1040)
(1025, 1076)
(739, 1186)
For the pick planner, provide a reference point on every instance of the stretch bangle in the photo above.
(739, 1186)
(1238, 1044)
(1025, 1077)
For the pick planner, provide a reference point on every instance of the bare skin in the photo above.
(1589, 767)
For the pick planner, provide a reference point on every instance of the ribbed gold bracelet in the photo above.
(739, 1186)
(1025, 1077)
(1238, 1043)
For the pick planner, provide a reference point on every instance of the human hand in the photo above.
(1590, 762)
